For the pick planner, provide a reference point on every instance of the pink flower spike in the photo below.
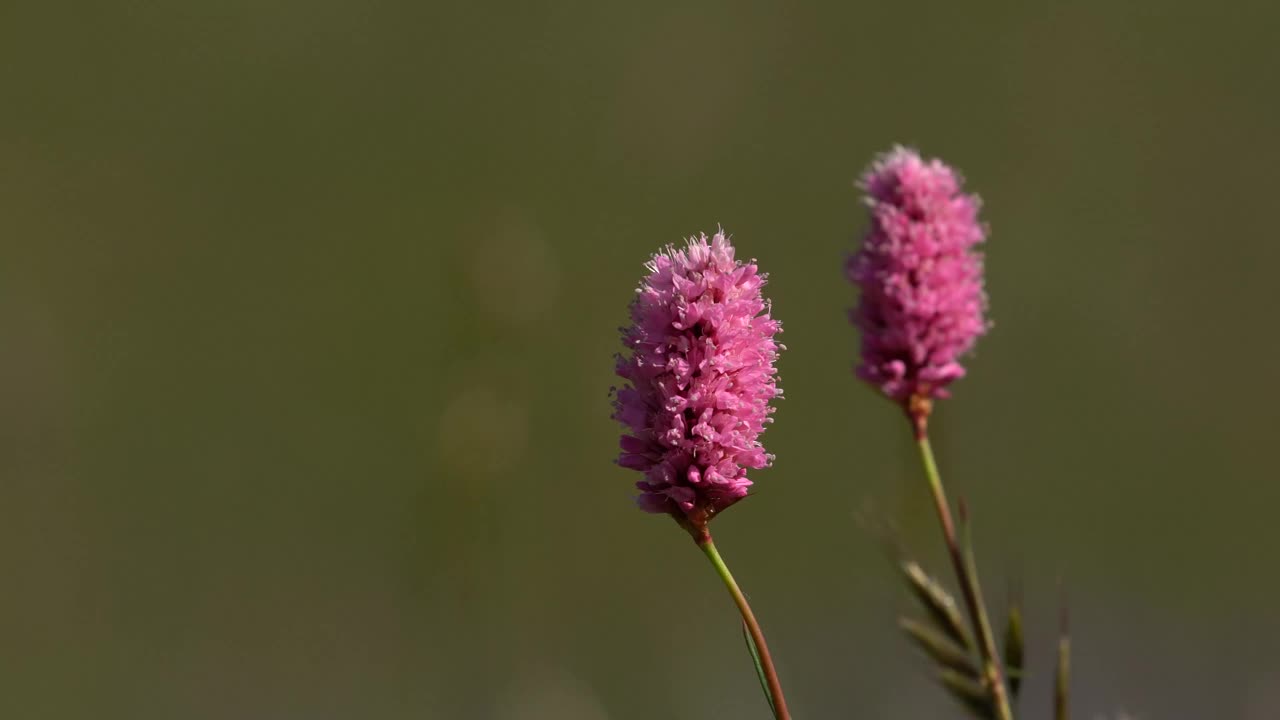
(701, 373)
(922, 303)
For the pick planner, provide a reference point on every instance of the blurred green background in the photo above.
(307, 314)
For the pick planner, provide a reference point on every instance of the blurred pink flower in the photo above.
(922, 303)
(701, 368)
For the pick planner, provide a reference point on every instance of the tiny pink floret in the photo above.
(922, 302)
(701, 372)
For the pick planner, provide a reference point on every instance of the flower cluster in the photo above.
(701, 373)
(922, 304)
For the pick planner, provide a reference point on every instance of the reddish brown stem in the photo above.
(779, 703)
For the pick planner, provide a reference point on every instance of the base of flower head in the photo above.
(919, 407)
(901, 382)
(692, 509)
(697, 524)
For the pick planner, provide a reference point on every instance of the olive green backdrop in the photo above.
(307, 314)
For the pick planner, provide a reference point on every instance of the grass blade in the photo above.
(939, 647)
(1014, 649)
(938, 602)
(755, 660)
(1062, 680)
(970, 693)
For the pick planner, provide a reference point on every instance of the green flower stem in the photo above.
(766, 661)
(968, 584)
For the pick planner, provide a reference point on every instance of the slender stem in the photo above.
(1061, 686)
(1062, 679)
(753, 627)
(968, 584)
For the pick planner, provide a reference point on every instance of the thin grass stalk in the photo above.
(969, 587)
